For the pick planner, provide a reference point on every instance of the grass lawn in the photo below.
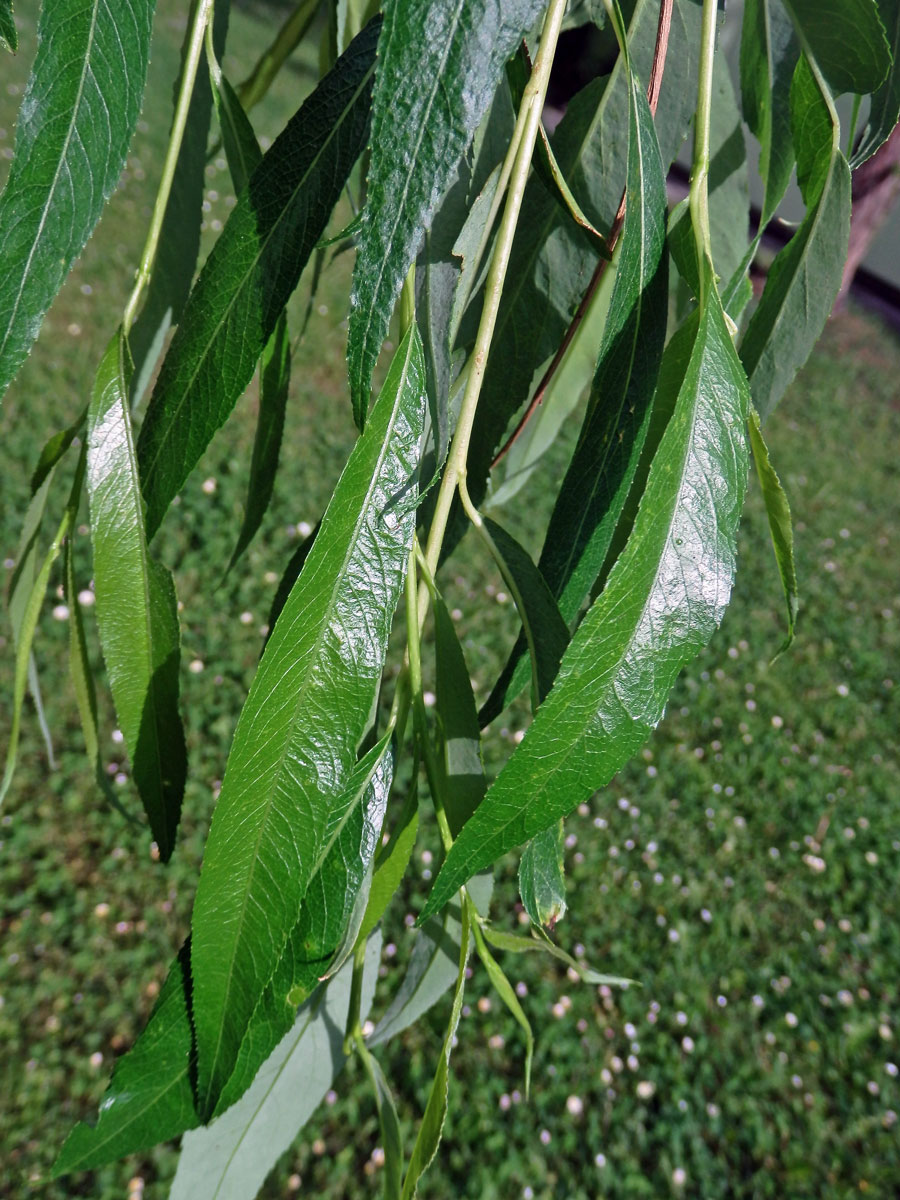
(743, 869)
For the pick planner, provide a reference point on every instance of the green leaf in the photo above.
(252, 270)
(179, 238)
(432, 967)
(769, 51)
(463, 783)
(274, 384)
(662, 602)
(429, 1135)
(326, 924)
(149, 1099)
(540, 942)
(603, 467)
(391, 1140)
(806, 275)
(389, 871)
(504, 990)
(8, 34)
(242, 151)
(884, 111)
(78, 114)
(53, 451)
(438, 67)
(232, 1156)
(552, 259)
(136, 610)
(542, 881)
(778, 511)
(289, 762)
(847, 40)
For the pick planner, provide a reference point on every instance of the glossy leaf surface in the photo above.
(149, 1099)
(804, 279)
(136, 613)
(661, 604)
(230, 1159)
(252, 270)
(297, 737)
(438, 67)
(78, 114)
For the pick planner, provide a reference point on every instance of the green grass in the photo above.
(697, 872)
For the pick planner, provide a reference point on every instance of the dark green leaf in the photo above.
(149, 1099)
(884, 111)
(603, 467)
(274, 382)
(847, 40)
(662, 601)
(289, 763)
(769, 51)
(79, 111)
(251, 272)
(232, 1156)
(179, 238)
(542, 881)
(463, 783)
(8, 34)
(136, 612)
(242, 151)
(806, 275)
(778, 511)
(438, 66)
(326, 916)
(54, 449)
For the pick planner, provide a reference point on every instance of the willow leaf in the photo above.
(391, 1140)
(542, 881)
(438, 67)
(504, 990)
(778, 512)
(242, 150)
(232, 1157)
(602, 469)
(149, 1099)
(463, 782)
(662, 602)
(8, 34)
(179, 238)
(847, 40)
(136, 612)
(79, 111)
(540, 942)
(884, 111)
(251, 272)
(769, 51)
(804, 279)
(389, 870)
(297, 737)
(326, 915)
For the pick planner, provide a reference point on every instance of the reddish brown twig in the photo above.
(656, 73)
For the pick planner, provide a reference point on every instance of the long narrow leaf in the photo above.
(389, 1125)
(8, 34)
(847, 40)
(297, 737)
(463, 782)
(251, 272)
(438, 66)
(884, 111)
(504, 990)
(136, 608)
(662, 602)
(778, 511)
(79, 111)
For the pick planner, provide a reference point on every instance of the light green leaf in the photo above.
(251, 272)
(136, 612)
(542, 880)
(504, 990)
(78, 114)
(8, 33)
(805, 277)
(778, 511)
(230, 1159)
(438, 66)
(662, 602)
(539, 942)
(847, 40)
(884, 111)
(289, 763)
(149, 1099)
(389, 870)
(179, 238)
(769, 51)
(431, 1128)
(391, 1141)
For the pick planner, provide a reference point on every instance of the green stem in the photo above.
(699, 193)
(530, 116)
(202, 17)
(270, 62)
(408, 301)
(354, 1028)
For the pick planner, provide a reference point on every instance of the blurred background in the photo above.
(743, 869)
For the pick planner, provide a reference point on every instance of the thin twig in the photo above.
(656, 73)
